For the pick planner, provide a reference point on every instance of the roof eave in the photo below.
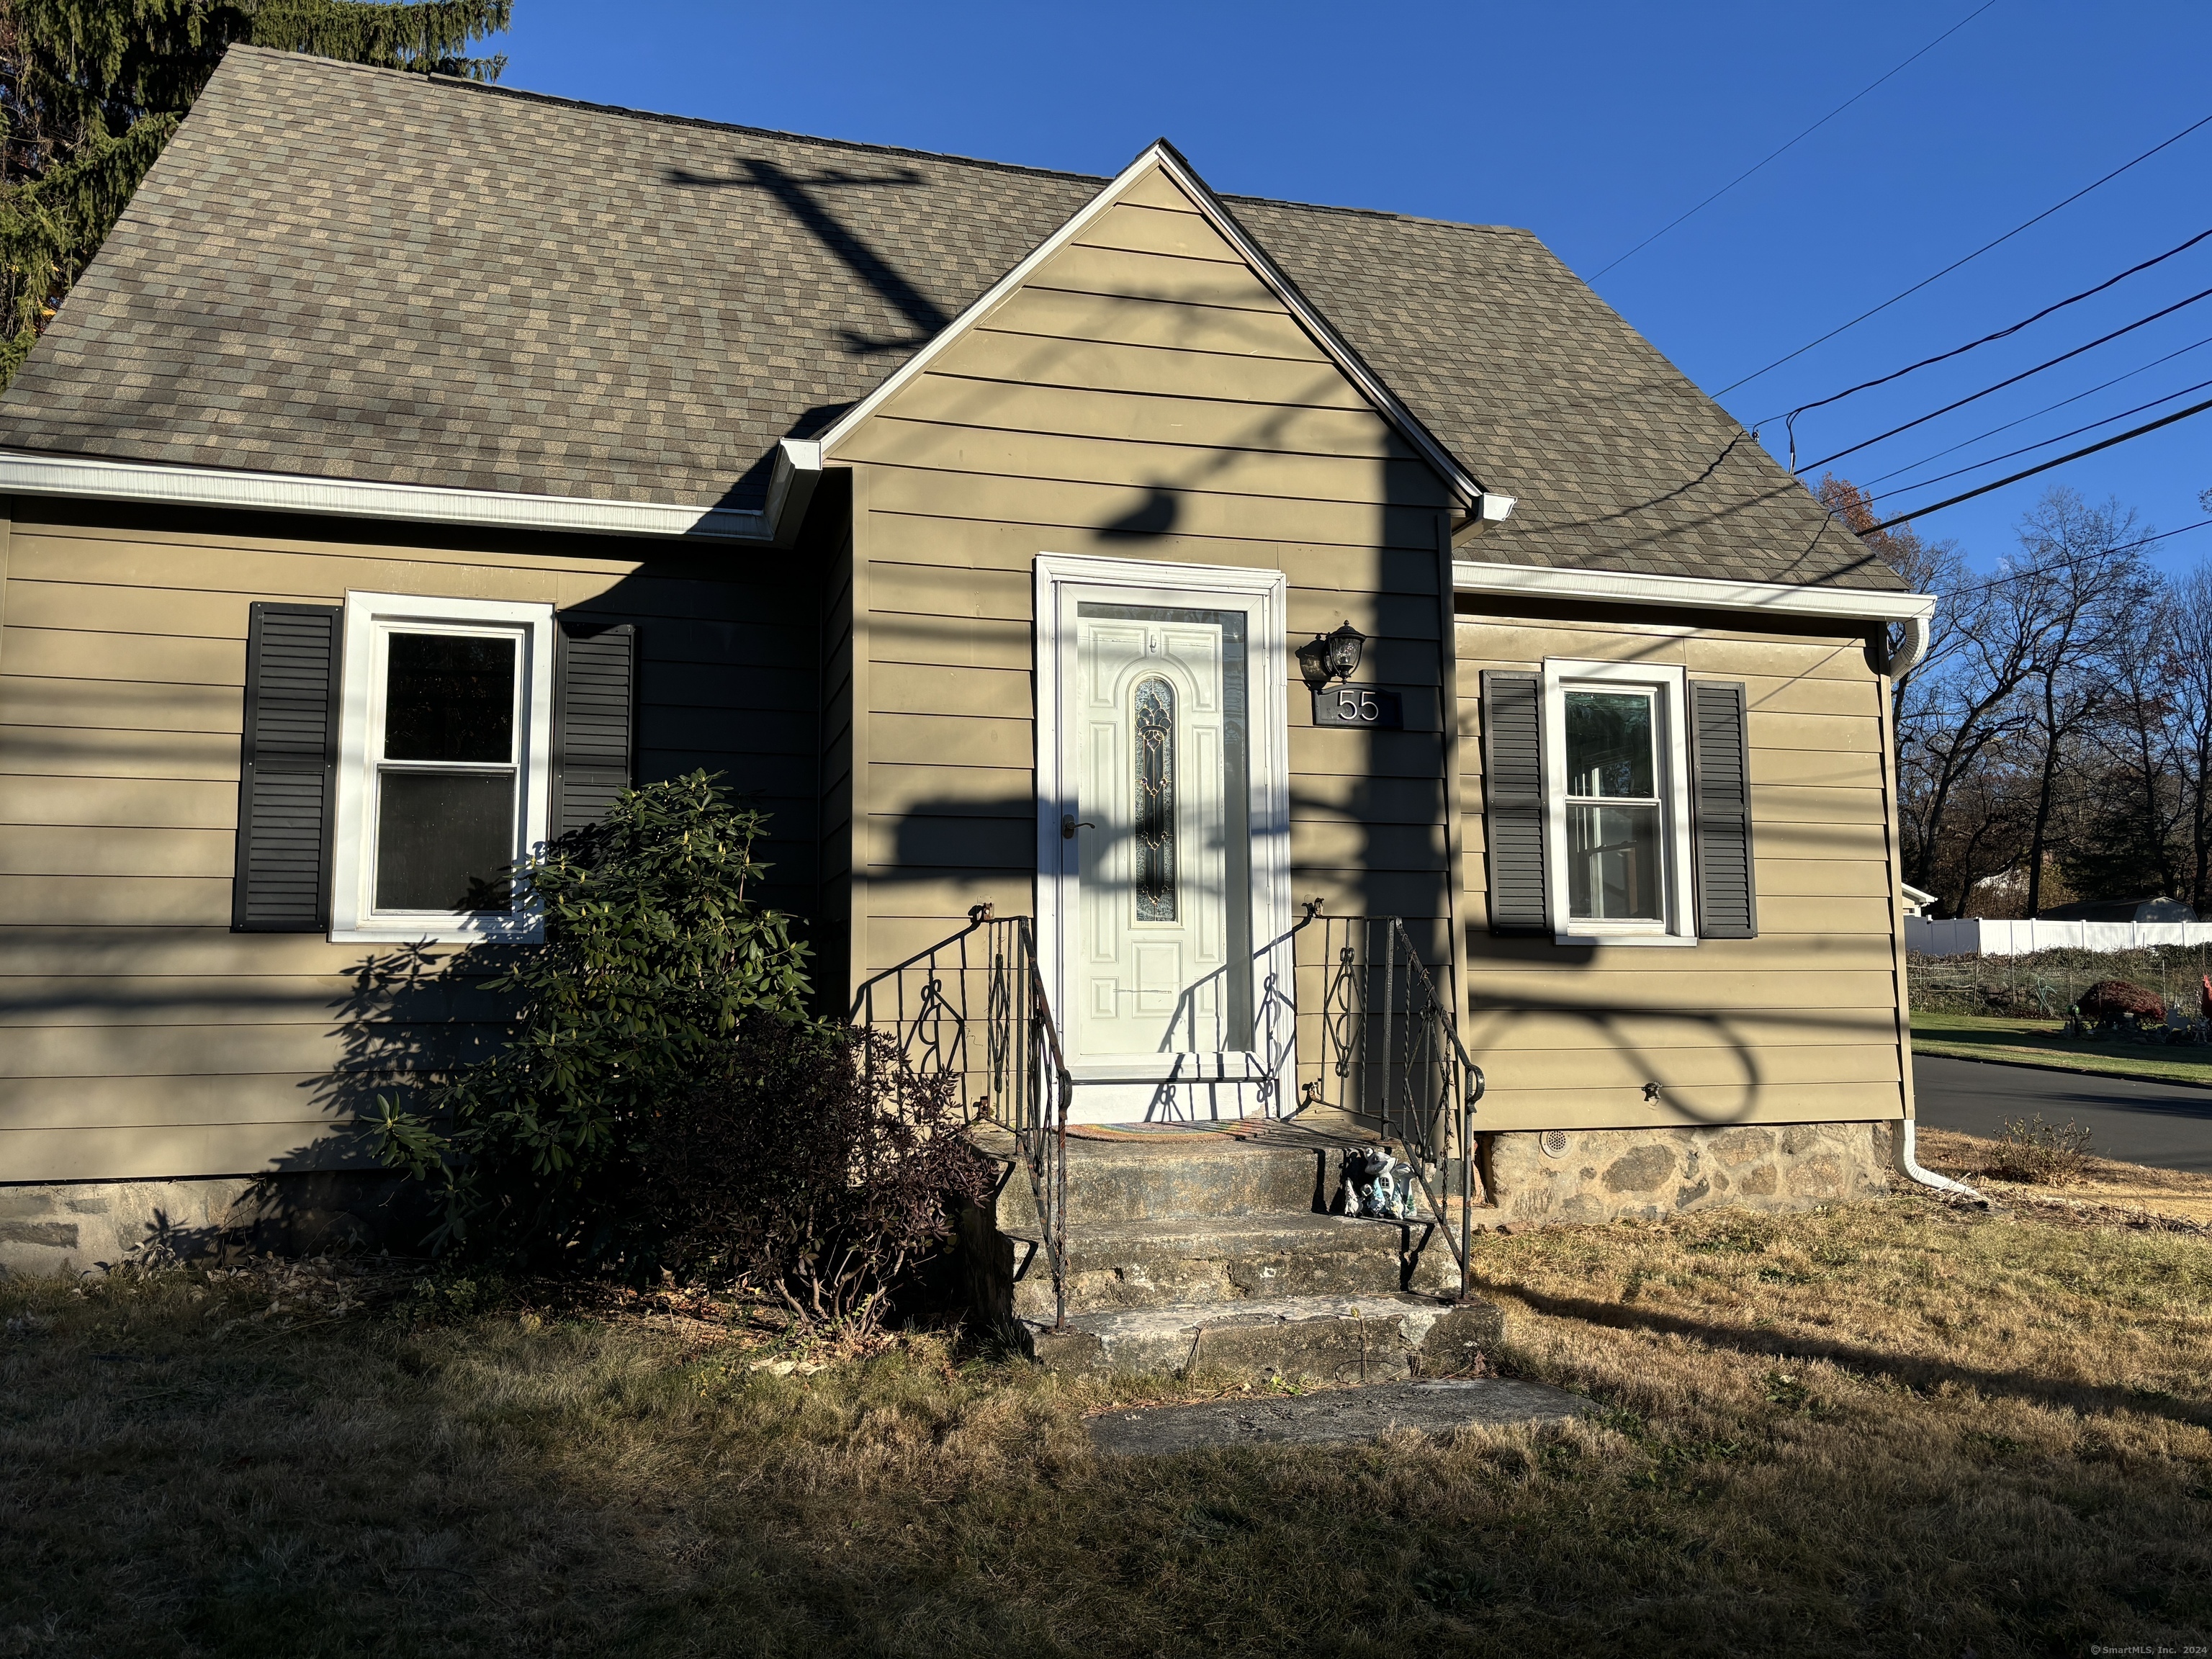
(1693, 592)
(101, 478)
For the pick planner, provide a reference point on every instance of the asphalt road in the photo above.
(2158, 1123)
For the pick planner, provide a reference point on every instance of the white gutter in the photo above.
(83, 477)
(1698, 593)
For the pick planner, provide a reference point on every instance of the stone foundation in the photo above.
(1642, 1175)
(87, 1226)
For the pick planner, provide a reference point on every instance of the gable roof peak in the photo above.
(1163, 155)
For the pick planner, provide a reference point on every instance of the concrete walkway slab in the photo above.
(1336, 1416)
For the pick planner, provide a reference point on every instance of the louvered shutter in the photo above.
(1513, 786)
(288, 777)
(1720, 821)
(594, 696)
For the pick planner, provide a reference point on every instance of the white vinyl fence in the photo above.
(1977, 938)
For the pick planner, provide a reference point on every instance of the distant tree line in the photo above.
(2055, 741)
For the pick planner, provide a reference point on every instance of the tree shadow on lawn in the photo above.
(1868, 1363)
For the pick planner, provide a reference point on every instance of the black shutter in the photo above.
(1720, 817)
(1513, 785)
(288, 777)
(594, 696)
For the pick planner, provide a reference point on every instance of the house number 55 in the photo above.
(1359, 705)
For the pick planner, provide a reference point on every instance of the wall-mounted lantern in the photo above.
(1333, 656)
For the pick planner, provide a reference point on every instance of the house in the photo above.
(420, 461)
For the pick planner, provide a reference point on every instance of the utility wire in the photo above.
(2067, 564)
(2013, 380)
(2045, 443)
(2024, 225)
(1800, 138)
(2045, 466)
(2001, 334)
(2101, 386)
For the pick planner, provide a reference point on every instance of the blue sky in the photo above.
(1592, 126)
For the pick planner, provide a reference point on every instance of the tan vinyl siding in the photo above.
(139, 1037)
(1798, 1025)
(1142, 395)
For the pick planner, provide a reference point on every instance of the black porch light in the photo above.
(1343, 648)
(1331, 656)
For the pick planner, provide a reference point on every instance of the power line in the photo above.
(2044, 466)
(2001, 334)
(2013, 380)
(2045, 443)
(2067, 564)
(2102, 386)
(2024, 225)
(1800, 138)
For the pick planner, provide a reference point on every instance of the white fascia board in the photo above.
(1703, 593)
(22, 474)
(1163, 155)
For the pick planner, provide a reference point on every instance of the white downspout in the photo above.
(1910, 649)
(1908, 655)
(1942, 1183)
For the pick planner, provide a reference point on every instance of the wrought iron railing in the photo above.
(1386, 1048)
(1374, 1036)
(974, 1005)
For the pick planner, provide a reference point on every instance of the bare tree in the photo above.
(1956, 725)
(2081, 577)
(2135, 764)
(1937, 567)
(2189, 682)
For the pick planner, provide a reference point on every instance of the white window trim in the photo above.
(1061, 578)
(353, 920)
(1680, 926)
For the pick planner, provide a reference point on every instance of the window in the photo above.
(1614, 866)
(1155, 801)
(1619, 822)
(443, 762)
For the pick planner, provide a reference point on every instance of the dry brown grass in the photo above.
(2099, 1190)
(1891, 1429)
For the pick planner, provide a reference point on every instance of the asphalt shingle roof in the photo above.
(352, 273)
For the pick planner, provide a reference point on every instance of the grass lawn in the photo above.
(2037, 1041)
(1888, 1428)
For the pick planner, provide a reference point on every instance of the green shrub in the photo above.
(654, 957)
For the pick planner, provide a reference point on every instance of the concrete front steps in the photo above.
(1217, 1250)
(1384, 1338)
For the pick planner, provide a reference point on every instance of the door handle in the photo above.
(1068, 826)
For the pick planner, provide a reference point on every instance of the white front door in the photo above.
(1160, 843)
(1161, 811)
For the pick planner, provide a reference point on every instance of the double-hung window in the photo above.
(1618, 819)
(444, 761)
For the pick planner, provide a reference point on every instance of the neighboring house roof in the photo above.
(347, 273)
